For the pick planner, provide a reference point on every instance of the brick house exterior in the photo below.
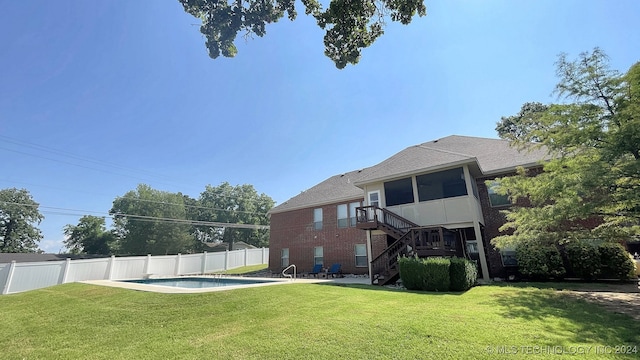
(440, 183)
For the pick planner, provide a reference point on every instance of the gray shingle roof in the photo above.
(490, 156)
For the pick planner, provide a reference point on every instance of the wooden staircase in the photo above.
(411, 239)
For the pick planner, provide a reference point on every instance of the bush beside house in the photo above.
(586, 260)
(437, 273)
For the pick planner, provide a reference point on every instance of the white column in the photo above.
(369, 253)
(246, 254)
(226, 260)
(7, 285)
(112, 263)
(264, 252)
(476, 223)
(178, 260)
(65, 273)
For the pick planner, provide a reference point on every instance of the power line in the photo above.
(146, 218)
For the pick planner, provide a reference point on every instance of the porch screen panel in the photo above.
(441, 185)
(398, 192)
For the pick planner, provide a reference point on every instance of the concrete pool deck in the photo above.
(179, 290)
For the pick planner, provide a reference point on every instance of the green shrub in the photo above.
(539, 261)
(438, 278)
(584, 259)
(616, 262)
(412, 273)
(463, 274)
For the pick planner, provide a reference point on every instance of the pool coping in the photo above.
(121, 283)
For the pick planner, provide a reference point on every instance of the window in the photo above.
(398, 192)
(494, 198)
(509, 257)
(317, 219)
(472, 247)
(343, 218)
(374, 198)
(353, 213)
(361, 255)
(441, 185)
(318, 253)
(284, 257)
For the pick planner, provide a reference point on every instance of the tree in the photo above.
(150, 221)
(239, 204)
(591, 186)
(90, 236)
(19, 216)
(350, 25)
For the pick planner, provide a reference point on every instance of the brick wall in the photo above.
(295, 230)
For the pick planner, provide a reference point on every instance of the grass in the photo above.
(243, 270)
(311, 321)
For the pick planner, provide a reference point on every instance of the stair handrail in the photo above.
(289, 275)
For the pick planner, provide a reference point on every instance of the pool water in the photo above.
(199, 283)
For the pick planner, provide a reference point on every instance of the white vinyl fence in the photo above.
(16, 277)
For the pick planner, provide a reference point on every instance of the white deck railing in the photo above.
(16, 277)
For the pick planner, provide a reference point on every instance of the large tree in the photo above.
(350, 25)
(591, 186)
(150, 221)
(19, 216)
(238, 205)
(90, 236)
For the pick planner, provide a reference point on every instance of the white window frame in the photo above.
(343, 210)
(353, 212)
(318, 255)
(284, 257)
(317, 219)
(362, 247)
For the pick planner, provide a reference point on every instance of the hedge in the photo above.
(616, 263)
(584, 259)
(437, 273)
(463, 274)
(539, 261)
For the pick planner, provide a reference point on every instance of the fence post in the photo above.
(112, 263)
(12, 268)
(263, 253)
(147, 265)
(226, 260)
(204, 262)
(177, 269)
(65, 273)
(246, 257)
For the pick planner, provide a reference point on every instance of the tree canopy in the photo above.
(149, 221)
(90, 236)
(590, 189)
(350, 25)
(19, 216)
(239, 204)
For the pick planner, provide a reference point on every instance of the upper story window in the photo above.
(343, 217)
(496, 199)
(441, 185)
(352, 213)
(317, 219)
(398, 192)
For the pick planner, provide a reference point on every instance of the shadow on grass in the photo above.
(389, 289)
(588, 323)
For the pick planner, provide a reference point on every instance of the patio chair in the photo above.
(334, 270)
(317, 269)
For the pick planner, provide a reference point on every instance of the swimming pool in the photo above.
(200, 282)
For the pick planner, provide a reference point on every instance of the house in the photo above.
(429, 199)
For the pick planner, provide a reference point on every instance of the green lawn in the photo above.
(302, 321)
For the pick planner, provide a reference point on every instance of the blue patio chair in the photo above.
(334, 270)
(316, 270)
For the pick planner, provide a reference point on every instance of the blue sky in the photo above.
(99, 96)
